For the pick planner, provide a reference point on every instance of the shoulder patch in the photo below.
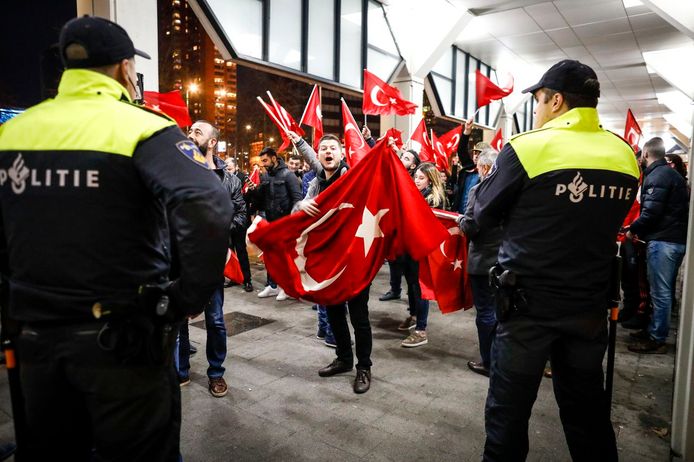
(191, 151)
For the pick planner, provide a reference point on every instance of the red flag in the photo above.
(441, 159)
(381, 98)
(254, 178)
(282, 119)
(421, 143)
(632, 131)
(498, 141)
(395, 134)
(487, 91)
(450, 140)
(332, 257)
(443, 274)
(312, 116)
(171, 104)
(355, 145)
(232, 269)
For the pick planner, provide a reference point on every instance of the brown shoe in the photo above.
(218, 387)
(648, 346)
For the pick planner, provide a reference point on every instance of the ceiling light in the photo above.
(632, 3)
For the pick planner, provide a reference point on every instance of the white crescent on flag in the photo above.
(374, 96)
(453, 143)
(307, 282)
(633, 136)
(351, 126)
(453, 231)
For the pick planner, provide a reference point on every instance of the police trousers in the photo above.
(575, 344)
(86, 404)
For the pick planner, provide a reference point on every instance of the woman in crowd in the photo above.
(482, 253)
(428, 181)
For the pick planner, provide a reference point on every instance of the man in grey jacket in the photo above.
(482, 254)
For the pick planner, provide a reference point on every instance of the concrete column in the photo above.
(139, 19)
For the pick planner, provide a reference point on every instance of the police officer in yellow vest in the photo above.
(561, 193)
(91, 187)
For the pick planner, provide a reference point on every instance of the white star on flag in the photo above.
(457, 264)
(369, 228)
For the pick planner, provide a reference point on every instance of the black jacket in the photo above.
(664, 205)
(93, 223)
(483, 247)
(232, 185)
(560, 208)
(278, 191)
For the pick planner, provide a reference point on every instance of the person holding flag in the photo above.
(330, 166)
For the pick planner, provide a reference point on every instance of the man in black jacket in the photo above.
(205, 136)
(278, 192)
(663, 225)
(238, 234)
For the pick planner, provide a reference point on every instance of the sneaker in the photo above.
(648, 346)
(320, 334)
(362, 382)
(390, 295)
(193, 350)
(409, 323)
(183, 381)
(230, 283)
(282, 295)
(218, 387)
(247, 286)
(330, 341)
(268, 291)
(415, 339)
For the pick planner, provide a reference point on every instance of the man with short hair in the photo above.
(466, 175)
(205, 136)
(294, 165)
(87, 255)
(276, 195)
(330, 166)
(663, 225)
(562, 194)
(238, 234)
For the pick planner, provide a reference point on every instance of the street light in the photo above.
(192, 88)
(248, 127)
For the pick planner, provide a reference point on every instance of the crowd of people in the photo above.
(541, 218)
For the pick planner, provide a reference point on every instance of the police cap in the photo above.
(104, 42)
(569, 76)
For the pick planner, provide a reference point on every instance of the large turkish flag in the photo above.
(372, 213)
(171, 104)
(443, 274)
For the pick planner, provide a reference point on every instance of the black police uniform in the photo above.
(561, 194)
(88, 184)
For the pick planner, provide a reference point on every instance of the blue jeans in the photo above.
(418, 307)
(663, 261)
(323, 323)
(486, 315)
(216, 347)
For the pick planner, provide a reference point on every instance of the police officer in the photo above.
(561, 192)
(91, 186)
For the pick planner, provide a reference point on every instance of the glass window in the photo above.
(285, 33)
(445, 65)
(444, 89)
(471, 96)
(242, 20)
(321, 38)
(459, 110)
(483, 115)
(381, 64)
(350, 43)
(379, 32)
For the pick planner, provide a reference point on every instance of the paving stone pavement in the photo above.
(424, 404)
